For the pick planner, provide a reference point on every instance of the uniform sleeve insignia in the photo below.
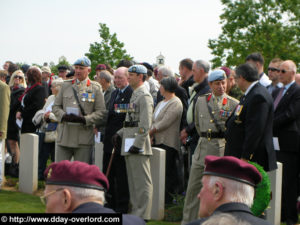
(142, 130)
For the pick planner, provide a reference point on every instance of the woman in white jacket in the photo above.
(48, 122)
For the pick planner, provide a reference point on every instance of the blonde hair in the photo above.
(17, 73)
(57, 83)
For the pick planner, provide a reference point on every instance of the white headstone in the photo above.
(274, 212)
(28, 165)
(99, 155)
(158, 168)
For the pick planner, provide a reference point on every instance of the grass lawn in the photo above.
(17, 202)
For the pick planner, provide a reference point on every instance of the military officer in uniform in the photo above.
(136, 146)
(211, 112)
(78, 106)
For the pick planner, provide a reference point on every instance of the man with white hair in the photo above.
(77, 187)
(119, 200)
(200, 87)
(105, 79)
(286, 129)
(229, 190)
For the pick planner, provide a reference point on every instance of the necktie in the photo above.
(118, 95)
(278, 98)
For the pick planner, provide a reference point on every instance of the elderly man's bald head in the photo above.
(122, 71)
(121, 77)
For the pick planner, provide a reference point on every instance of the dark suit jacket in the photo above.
(238, 210)
(186, 84)
(286, 124)
(92, 207)
(250, 135)
(181, 93)
(115, 120)
(12, 128)
(34, 100)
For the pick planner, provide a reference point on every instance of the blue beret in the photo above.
(137, 69)
(217, 75)
(84, 61)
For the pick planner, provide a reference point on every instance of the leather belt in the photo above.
(210, 135)
(130, 124)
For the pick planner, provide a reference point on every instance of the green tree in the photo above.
(271, 27)
(61, 61)
(108, 51)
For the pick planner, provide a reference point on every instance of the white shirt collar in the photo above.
(250, 87)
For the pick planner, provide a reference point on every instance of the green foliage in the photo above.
(108, 51)
(271, 27)
(262, 192)
(61, 61)
(173, 212)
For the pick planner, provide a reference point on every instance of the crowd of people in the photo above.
(228, 114)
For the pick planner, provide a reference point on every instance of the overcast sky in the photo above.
(38, 31)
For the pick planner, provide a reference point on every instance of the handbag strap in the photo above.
(78, 102)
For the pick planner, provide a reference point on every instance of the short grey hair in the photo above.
(84, 193)
(224, 218)
(202, 64)
(234, 191)
(166, 71)
(104, 74)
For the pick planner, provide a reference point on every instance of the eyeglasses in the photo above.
(273, 69)
(18, 77)
(284, 71)
(45, 197)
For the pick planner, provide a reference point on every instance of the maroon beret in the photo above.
(77, 174)
(226, 70)
(100, 67)
(232, 168)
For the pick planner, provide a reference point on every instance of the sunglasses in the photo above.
(273, 69)
(284, 71)
(18, 77)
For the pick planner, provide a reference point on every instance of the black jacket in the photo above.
(34, 100)
(14, 106)
(188, 83)
(238, 210)
(249, 135)
(92, 207)
(114, 119)
(286, 124)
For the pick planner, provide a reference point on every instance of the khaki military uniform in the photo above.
(136, 126)
(76, 139)
(4, 112)
(211, 142)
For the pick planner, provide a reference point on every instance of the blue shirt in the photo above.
(286, 87)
